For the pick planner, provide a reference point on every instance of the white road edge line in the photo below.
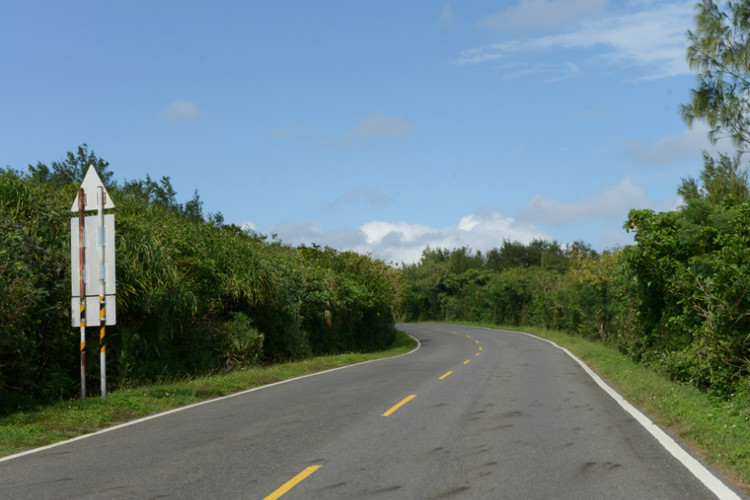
(200, 403)
(710, 481)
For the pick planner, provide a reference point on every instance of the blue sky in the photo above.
(379, 127)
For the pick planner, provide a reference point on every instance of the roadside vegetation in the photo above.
(194, 295)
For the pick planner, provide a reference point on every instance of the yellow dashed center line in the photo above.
(399, 405)
(292, 483)
(286, 487)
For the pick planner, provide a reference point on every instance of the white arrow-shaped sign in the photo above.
(90, 185)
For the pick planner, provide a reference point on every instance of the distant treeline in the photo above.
(678, 299)
(194, 295)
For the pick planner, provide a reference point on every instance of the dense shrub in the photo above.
(193, 295)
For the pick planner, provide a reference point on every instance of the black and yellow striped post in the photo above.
(83, 347)
(103, 345)
(102, 324)
(82, 278)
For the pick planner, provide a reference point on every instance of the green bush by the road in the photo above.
(194, 295)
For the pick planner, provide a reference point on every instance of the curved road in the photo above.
(473, 414)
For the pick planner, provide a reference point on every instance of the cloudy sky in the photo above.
(380, 126)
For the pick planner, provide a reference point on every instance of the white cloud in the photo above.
(542, 14)
(653, 38)
(182, 111)
(372, 196)
(446, 16)
(613, 203)
(553, 72)
(376, 231)
(404, 242)
(690, 143)
(672, 148)
(376, 126)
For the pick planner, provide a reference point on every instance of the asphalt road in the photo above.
(482, 415)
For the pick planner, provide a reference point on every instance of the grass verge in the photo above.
(67, 419)
(718, 430)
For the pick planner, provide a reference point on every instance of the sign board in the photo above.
(94, 239)
(90, 185)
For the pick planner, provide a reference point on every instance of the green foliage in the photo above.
(722, 181)
(718, 51)
(425, 278)
(34, 318)
(72, 169)
(508, 285)
(163, 194)
(242, 343)
(594, 291)
(350, 301)
(538, 253)
(691, 277)
(193, 296)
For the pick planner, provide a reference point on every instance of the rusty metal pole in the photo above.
(82, 278)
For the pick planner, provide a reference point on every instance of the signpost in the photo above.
(84, 230)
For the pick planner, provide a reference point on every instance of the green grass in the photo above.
(716, 429)
(67, 419)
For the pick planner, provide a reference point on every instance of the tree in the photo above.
(718, 51)
(149, 191)
(193, 209)
(162, 193)
(514, 254)
(72, 169)
(722, 180)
